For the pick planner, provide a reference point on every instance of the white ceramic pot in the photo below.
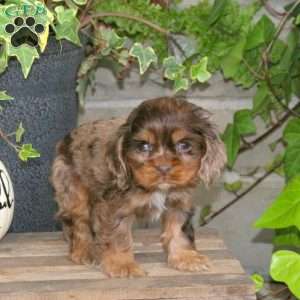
(7, 200)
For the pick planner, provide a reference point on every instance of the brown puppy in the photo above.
(107, 172)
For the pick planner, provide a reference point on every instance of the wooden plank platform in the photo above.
(35, 266)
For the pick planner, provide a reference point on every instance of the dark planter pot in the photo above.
(46, 103)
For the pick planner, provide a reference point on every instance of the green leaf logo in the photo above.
(25, 55)
(27, 18)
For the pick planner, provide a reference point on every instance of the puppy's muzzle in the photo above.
(163, 169)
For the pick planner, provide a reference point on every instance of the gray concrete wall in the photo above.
(253, 247)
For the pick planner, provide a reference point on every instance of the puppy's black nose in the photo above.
(164, 169)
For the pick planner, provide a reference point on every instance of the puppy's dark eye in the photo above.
(183, 147)
(144, 147)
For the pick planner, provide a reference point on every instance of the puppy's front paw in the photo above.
(120, 265)
(189, 260)
(82, 256)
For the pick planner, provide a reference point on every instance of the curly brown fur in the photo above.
(108, 172)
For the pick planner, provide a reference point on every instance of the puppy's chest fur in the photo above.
(157, 204)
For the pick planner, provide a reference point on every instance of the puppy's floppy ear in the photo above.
(115, 158)
(215, 157)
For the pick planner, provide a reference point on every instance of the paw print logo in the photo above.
(24, 31)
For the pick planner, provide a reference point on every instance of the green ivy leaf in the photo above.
(233, 186)
(123, 57)
(291, 133)
(231, 62)
(145, 56)
(71, 4)
(199, 71)
(295, 86)
(4, 19)
(292, 160)
(113, 41)
(45, 17)
(80, 2)
(277, 51)
(243, 77)
(258, 281)
(244, 122)
(4, 96)
(217, 11)
(285, 210)
(25, 54)
(68, 24)
(275, 162)
(3, 58)
(289, 56)
(181, 84)
(297, 20)
(231, 139)
(295, 12)
(173, 69)
(285, 267)
(27, 152)
(205, 211)
(260, 99)
(87, 64)
(287, 237)
(19, 132)
(261, 33)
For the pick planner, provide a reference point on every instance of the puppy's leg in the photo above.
(114, 243)
(82, 240)
(178, 241)
(74, 211)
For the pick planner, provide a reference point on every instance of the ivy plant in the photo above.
(264, 59)
(25, 151)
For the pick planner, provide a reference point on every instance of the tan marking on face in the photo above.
(145, 135)
(178, 135)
